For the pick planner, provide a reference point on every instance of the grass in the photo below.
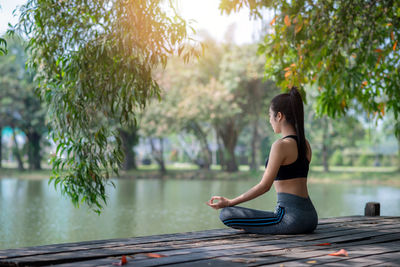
(365, 175)
(26, 174)
(337, 174)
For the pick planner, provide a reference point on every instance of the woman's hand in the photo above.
(222, 202)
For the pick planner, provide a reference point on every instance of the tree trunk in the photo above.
(220, 151)
(205, 148)
(1, 145)
(229, 136)
(255, 148)
(324, 145)
(129, 139)
(397, 134)
(158, 155)
(33, 146)
(398, 153)
(17, 153)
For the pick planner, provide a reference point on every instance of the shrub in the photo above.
(363, 160)
(336, 159)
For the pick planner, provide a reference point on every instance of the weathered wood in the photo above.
(190, 248)
(373, 238)
(337, 224)
(372, 209)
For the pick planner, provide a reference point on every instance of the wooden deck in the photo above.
(369, 241)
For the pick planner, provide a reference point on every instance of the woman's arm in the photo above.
(276, 157)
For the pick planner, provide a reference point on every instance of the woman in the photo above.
(286, 168)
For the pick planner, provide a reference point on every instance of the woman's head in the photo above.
(289, 106)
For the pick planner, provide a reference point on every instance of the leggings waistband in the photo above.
(290, 200)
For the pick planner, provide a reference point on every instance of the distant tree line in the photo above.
(96, 60)
(220, 99)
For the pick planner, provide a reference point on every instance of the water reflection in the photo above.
(33, 213)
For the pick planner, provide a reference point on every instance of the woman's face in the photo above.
(272, 120)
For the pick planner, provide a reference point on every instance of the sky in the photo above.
(205, 14)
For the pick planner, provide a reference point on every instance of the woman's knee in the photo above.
(226, 213)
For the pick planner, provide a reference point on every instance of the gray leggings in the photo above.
(293, 215)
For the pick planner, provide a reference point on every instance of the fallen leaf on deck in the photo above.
(123, 261)
(342, 253)
(155, 255)
(311, 262)
(324, 244)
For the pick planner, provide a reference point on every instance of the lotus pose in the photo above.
(286, 168)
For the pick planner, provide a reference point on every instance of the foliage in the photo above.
(3, 47)
(363, 160)
(348, 49)
(187, 105)
(94, 62)
(336, 158)
(223, 90)
(20, 107)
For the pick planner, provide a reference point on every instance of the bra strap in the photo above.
(290, 136)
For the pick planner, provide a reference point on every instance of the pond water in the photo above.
(33, 213)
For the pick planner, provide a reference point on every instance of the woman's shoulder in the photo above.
(282, 145)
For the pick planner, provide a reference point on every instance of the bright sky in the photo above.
(205, 13)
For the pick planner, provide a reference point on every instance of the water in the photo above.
(33, 213)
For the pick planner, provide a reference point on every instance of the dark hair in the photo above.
(291, 105)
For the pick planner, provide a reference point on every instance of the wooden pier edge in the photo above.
(367, 240)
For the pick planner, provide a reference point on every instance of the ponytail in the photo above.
(296, 104)
(291, 106)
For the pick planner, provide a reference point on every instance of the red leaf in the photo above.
(123, 261)
(342, 253)
(323, 244)
(155, 255)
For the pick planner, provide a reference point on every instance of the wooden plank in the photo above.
(384, 259)
(355, 252)
(243, 257)
(179, 249)
(260, 258)
(335, 247)
(174, 258)
(242, 243)
(147, 239)
(355, 223)
(94, 254)
(68, 247)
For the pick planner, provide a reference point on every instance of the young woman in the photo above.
(286, 168)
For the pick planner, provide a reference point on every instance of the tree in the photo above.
(130, 138)
(94, 62)
(3, 51)
(3, 47)
(157, 122)
(348, 49)
(20, 106)
(241, 73)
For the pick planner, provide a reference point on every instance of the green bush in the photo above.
(364, 160)
(336, 158)
(316, 157)
(347, 161)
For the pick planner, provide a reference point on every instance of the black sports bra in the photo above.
(297, 169)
